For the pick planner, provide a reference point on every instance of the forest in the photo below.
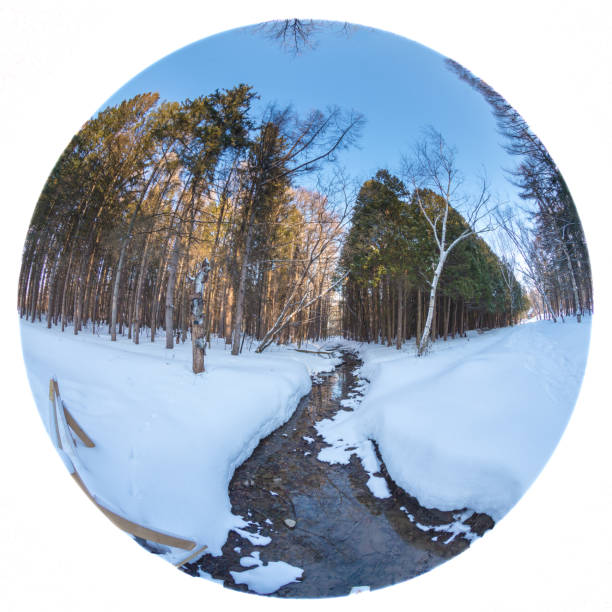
(192, 218)
(389, 252)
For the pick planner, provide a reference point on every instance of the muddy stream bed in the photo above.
(337, 531)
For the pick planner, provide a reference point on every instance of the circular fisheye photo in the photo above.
(305, 308)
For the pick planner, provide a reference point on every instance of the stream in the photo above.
(323, 518)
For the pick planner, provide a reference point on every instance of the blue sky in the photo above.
(399, 86)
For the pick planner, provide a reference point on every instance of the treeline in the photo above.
(186, 217)
(389, 255)
(551, 245)
(147, 191)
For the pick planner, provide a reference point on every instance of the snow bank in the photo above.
(472, 423)
(268, 578)
(167, 441)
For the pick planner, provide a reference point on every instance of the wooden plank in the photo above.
(78, 430)
(134, 528)
(72, 422)
(54, 423)
(146, 533)
(124, 524)
(191, 556)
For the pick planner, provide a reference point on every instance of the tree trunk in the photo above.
(237, 331)
(51, 299)
(419, 318)
(139, 287)
(172, 268)
(425, 338)
(115, 298)
(197, 318)
(446, 318)
(570, 266)
(65, 291)
(400, 313)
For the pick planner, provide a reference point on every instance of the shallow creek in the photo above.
(323, 518)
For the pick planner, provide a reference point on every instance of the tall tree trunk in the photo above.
(228, 308)
(51, 300)
(419, 316)
(172, 268)
(197, 318)
(237, 331)
(425, 338)
(115, 296)
(446, 318)
(36, 281)
(400, 313)
(65, 291)
(577, 304)
(389, 313)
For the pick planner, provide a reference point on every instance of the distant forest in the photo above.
(189, 217)
(389, 254)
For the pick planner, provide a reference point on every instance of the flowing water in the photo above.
(337, 531)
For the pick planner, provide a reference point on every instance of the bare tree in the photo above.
(508, 266)
(297, 35)
(541, 182)
(530, 263)
(285, 147)
(433, 169)
(320, 232)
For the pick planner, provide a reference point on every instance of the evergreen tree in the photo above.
(558, 232)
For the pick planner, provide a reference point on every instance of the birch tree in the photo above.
(197, 313)
(433, 170)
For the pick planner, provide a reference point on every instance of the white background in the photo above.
(60, 60)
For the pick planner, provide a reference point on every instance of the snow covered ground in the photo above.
(167, 442)
(472, 423)
(469, 425)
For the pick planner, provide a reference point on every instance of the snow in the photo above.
(378, 486)
(471, 424)
(167, 442)
(268, 578)
(456, 528)
(344, 442)
(254, 538)
(251, 560)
